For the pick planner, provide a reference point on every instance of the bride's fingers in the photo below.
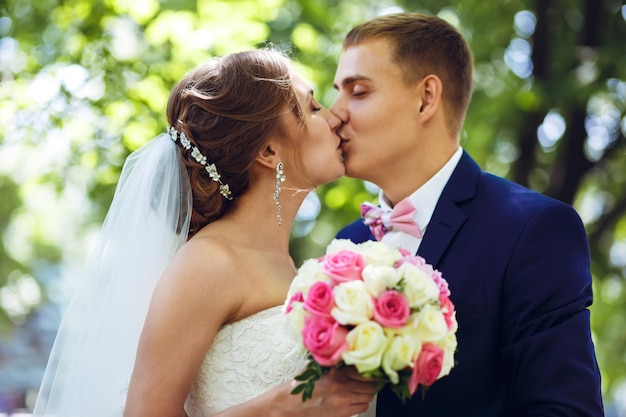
(366, 390)
(363, 388)
(356, 382)
(351, 373)
(359, 408)
(348, 406)
(362, 399)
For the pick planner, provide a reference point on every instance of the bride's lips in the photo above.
(342, 141)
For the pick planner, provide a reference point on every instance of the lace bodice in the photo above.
(247, 358)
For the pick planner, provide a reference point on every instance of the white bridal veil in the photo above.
(94, 352)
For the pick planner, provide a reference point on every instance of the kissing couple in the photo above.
(181, 309)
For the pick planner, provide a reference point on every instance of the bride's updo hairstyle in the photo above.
(228, 108)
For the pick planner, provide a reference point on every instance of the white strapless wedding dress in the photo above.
(247, 358)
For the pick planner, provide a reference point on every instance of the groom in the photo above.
(517, 262)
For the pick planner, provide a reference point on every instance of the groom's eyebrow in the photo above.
(346, 82)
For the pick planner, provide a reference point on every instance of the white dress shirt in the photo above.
(424, 199)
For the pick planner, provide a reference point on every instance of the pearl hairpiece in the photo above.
(211, 169)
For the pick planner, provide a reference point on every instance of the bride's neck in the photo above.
(254, 219)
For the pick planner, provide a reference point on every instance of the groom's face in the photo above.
(378, 110)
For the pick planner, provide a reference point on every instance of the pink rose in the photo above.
(344, 266)
(297, 297)
(427, 366)
(320, 299)
(447, 308)
(391, 309)
(325, 339)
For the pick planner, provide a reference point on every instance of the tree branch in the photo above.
(527, 139)
(572, 165)
(606, 222)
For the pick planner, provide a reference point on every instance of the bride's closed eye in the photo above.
(314, 105)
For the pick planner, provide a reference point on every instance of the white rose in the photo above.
(419, 287)
(448, 344)
(429, 324)
(379, 254)
(366, 345)
(294, 321)
(378, 278)
(310, 272)
(337, 245)
(353, 303)
(399, 355)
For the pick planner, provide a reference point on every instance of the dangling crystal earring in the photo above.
(280, 177)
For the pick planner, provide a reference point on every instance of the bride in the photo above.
(181, 309)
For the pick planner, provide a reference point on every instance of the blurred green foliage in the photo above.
(84, 83)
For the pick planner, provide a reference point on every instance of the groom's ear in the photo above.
(429, 93)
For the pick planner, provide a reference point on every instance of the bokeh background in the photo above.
(83, 83)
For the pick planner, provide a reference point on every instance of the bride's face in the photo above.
(318, 145)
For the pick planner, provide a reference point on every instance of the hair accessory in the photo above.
(211, 169)
(280, 177)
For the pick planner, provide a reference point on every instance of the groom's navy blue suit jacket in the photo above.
(517, 264)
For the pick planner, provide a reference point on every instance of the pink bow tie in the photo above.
(400, 218)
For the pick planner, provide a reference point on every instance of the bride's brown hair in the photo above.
(228, 108)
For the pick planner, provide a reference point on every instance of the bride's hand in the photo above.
(340, 392)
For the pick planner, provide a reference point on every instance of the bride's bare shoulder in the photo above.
(206, 256)
(205, 269)
(198, 291)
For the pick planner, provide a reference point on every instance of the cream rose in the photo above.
(379, 278)
(353, 303)
(294, 321)
(399, 355)
(419, 287)
(337, 245)
(308, 274)
(430, 324)
(376, 253)
(366, 345)
(448, 344)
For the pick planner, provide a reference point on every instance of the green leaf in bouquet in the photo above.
(309, 376)
(399, 285)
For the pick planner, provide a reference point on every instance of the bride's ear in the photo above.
(269, 156)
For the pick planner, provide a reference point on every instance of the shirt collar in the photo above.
(426, 197)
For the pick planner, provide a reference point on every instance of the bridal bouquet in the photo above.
(382, 310)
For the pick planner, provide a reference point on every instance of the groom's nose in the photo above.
(339, 109)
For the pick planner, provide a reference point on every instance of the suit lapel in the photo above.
(448, 216)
